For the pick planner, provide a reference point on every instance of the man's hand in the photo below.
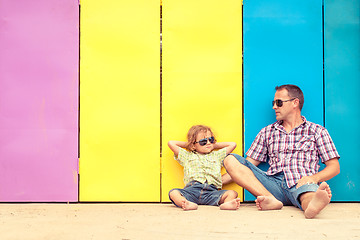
(331, 170)
(306, 180)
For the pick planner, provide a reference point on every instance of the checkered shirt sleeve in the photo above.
(325, 146)
(258, 149)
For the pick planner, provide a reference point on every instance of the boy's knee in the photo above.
(233, 193)
(229, 194)
(173, 192)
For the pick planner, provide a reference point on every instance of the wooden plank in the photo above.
(282, 45)
(39, 101)
(342, 84)
(120, 101)
(202, 76)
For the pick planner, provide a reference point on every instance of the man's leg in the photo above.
(244, 177)
(313, 202)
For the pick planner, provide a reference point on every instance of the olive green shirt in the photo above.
(202, 167)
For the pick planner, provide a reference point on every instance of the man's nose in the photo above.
(274, 105)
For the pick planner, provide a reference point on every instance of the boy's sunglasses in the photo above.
(204, 141)
(280, 102)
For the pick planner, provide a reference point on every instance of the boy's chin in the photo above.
(208, 151)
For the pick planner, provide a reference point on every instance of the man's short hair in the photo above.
(293, 92)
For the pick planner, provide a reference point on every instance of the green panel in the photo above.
(342, 85)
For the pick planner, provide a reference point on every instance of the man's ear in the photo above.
(296, 103)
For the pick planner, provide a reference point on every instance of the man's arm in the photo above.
(253, 161)
(331, 170)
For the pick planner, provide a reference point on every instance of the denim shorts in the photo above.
(200, 193)
(276, 184)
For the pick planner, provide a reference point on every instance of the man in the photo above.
(292, 146)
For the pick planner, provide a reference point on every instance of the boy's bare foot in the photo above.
(187, 205)
(231, 205)
(320, 200)
(268, 203)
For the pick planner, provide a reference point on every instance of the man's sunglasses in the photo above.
(204, 141)
(280, 102)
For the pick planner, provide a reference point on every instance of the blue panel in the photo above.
(282, 44)
(342, 85)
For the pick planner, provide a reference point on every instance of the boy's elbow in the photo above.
(234, 145)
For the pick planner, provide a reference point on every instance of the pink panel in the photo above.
(39, 42)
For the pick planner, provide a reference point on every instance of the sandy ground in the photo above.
(164, 221)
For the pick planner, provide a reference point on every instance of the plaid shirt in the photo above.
(202, 167)
(295, 153)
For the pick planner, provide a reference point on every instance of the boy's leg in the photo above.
(225, 199)
(229, 201)
(242, 173)
(180, 201)
(313, 202)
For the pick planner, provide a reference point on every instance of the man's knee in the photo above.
(234, 159)
(233, 163)
(229, 162)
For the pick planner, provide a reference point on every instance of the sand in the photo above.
(121, 221)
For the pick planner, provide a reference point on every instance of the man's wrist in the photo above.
(316, 179)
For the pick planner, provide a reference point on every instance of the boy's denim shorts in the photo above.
(200, 193)
(276, 184)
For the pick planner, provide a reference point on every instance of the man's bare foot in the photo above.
(187, 205)
(320, 200)
(231, 205)
(268, 203)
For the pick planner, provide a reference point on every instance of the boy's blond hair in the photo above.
(192, 134)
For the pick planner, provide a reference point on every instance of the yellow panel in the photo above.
(202, 76)
(120, 100)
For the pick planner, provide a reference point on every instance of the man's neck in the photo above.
(292, 122)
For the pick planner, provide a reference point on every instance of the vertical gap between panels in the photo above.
(242, 90)
(160, 100)
(242, 77)
(323, 52)
(78, 167)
